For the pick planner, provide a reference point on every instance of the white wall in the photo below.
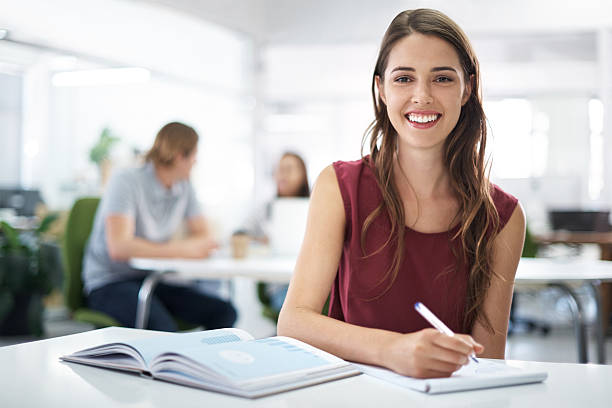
(136, 34)
(10, 129)
(200, 74)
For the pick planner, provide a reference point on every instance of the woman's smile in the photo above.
(423, 119)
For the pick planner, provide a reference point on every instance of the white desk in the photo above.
(558, 273)
(561, 273)
(261, 268)
(31, 375)
(264, 268)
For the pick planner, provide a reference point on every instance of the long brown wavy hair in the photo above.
(464, 157)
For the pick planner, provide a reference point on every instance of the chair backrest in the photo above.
(78, 229)
(530, 247)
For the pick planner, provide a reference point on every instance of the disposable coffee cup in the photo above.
(240, 245)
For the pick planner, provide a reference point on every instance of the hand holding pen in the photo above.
(437, 323)
(426, 353)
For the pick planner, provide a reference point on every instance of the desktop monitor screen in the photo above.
(579, 220)
(23, 201)
(287, 225)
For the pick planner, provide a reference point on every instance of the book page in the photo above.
(253, 362)
(137, 354)
(150, 347)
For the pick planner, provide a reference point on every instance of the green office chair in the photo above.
(78, 229)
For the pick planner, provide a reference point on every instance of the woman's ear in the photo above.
(380, 88)
(469, 85)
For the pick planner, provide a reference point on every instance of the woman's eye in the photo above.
(402, 79)
(444, 79)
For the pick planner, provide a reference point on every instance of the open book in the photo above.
(484, 374)
(225, 360)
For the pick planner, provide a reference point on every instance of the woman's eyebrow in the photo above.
(434, 69)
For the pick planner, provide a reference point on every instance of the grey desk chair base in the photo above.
(144, 298)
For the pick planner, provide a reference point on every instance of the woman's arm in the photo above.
(507, 252)
(426, 353)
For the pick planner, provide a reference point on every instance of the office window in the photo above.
(10, 128)
(518, 138)
(596, 163)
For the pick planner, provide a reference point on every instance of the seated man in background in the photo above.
(140, 211)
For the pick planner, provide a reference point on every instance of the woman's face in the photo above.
(289, 176)
(424, 89)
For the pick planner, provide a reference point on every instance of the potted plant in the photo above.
(100, 152)
(24, 279)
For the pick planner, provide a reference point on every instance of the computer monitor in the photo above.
(24, 201)
(287, 225)
(580, 220)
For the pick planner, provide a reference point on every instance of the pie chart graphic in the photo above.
(236, 356)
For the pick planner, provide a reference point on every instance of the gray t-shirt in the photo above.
(157, 212)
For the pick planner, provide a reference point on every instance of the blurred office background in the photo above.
(258, 77)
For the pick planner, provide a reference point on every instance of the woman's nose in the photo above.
(422, 94)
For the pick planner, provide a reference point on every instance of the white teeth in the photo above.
(421, 118)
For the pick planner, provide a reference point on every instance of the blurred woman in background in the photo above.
(291, 179)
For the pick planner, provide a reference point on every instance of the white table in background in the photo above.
(564, 274)
(31, 375)
(561, 273)
(261, 268)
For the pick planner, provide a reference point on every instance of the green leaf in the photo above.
(101, 150)
(46, 223)
(12, 237)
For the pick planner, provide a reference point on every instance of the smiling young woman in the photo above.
(423, 88)
(416, 220)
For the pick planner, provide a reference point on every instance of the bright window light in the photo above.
(99, 77)
(511, 127)
(596, 164)
(31, 148)
(294, 123)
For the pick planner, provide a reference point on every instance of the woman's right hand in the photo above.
(428, 353)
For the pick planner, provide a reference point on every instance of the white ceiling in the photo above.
(502, 31)
(340, 21)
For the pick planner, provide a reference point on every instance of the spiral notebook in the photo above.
(487, 373)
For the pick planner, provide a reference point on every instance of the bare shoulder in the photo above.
(515, 227)
(327, 180)
(509, 244)
(326, 191)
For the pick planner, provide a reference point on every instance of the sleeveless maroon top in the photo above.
(429, 271)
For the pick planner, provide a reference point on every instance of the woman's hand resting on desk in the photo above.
(198, 247)
(428, 353)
